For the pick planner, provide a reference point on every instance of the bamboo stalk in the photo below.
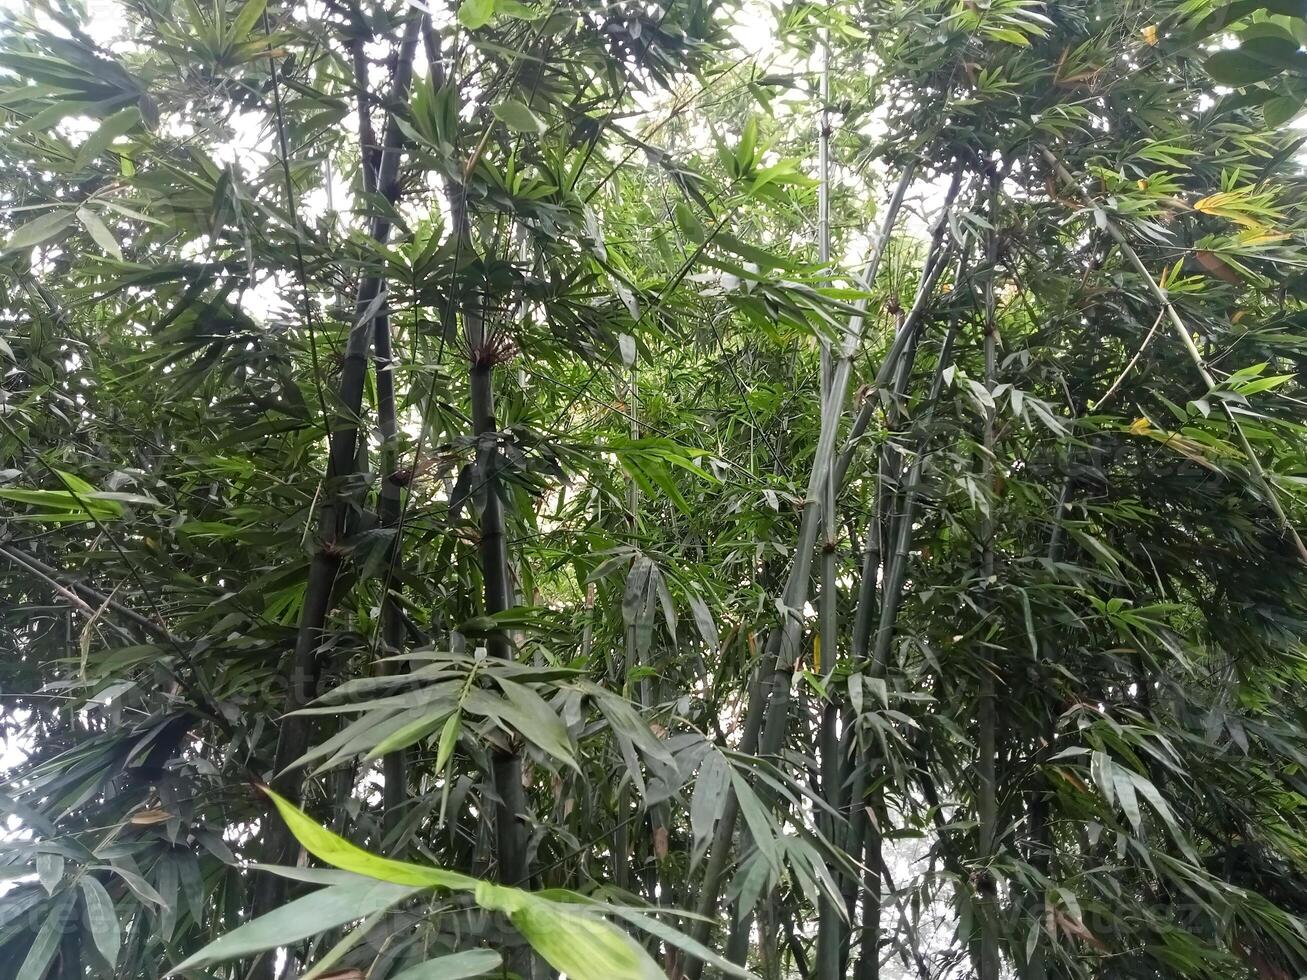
(301, 680)
(295, 730)
(987, 709)
(795, 591)
(898, 532)
(865, 830)
(376, 167)
(831, 927)
(933, 266)
(1040, 830)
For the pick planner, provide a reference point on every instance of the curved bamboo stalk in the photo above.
(779, 652)
(343, 443)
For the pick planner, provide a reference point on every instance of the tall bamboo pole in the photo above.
(343, 441)
(864, 834)
(831, 926)
(795, 593)
(375, 166)
(987, 708)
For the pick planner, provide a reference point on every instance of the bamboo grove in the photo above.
(686, 489)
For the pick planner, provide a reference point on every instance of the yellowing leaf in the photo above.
(340, 853)
(573, 941)
(145, 818)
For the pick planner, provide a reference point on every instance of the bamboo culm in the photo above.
(988, 965)
(797, 581)
(343, 441)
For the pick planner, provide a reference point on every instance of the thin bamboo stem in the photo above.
(769, 704)
(782, 643)
(987, 709)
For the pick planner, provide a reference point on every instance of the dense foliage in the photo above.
(672, 488)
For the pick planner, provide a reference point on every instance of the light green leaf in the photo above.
(340, 853)
(106, 930)
(689, 223)
(46, 944)
(1125, 792)
(100, 232)
(139, 886)
(49, 870)
(518, 117)
(414, 731)
(475, 14)
(537, 722)
(38, 231)
(448, 739)
(456, 966)
(324, 909)
(582, 946)
(116, 125)
(703, 620)
(1235, 67)
(244, 23)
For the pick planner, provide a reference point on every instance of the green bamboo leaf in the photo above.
(535, 720)
(1125, 794)
(139, 886)
(314, 913)
(448, 739)
(581, 945)
(119, 124)
(1236, 67)
(100, 232)
(455, 966)
(340, 853)
(48, 937)
(414, 731)
(703, 620)
(518, 117)
(243, 25)
(708, 799)
(106, 930)
(49, 870)
(674, 937)
(475, 14)
(689, 223)
(38, 231)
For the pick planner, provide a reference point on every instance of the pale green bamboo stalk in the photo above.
(783, 646)
(831, 929)
(986, 747)
(796, 587)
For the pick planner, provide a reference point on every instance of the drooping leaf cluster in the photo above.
(442, 422)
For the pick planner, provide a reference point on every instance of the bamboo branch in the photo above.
(76, 592)
(1187, 340)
